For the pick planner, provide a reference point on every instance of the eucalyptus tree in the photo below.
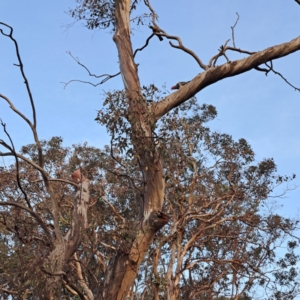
(169, 210)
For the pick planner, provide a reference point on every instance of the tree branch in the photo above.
(226, 70)
(232, 29)
(21, 66)
(17, 165)
(36, 216)
(43, 172)
(160, 33)
(107, 76)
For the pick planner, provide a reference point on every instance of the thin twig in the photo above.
(107, 76)
(232, 29)
(277, 73)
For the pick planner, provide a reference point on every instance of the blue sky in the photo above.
(263, 110)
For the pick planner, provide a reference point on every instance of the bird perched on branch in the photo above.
(178, 85)
(156, 30)
(77, 176)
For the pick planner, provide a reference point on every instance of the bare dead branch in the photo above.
(271, 69)
(146, 44)
(160, 33)
(279, 74)
(13, 108)
(232, 29)
(183, 48)
(21, 66)
(17, 165)
(107, 76)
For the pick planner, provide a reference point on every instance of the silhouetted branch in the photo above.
(271, 69)
(107, 76)
(279, 74)
(146, 44)
(17, 164)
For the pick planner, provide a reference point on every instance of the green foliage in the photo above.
(99, 14)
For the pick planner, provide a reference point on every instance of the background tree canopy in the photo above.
(170, 208)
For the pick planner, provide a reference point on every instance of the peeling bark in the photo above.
(123, 268)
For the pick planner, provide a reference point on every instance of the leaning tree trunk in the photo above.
(124, 266)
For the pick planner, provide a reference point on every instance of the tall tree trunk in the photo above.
(124, 266)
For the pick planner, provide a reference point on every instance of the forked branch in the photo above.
(226, 70)
(106, 76)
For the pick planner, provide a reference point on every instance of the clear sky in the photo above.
(263, 110)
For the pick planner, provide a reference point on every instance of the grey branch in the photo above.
(21, 66)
